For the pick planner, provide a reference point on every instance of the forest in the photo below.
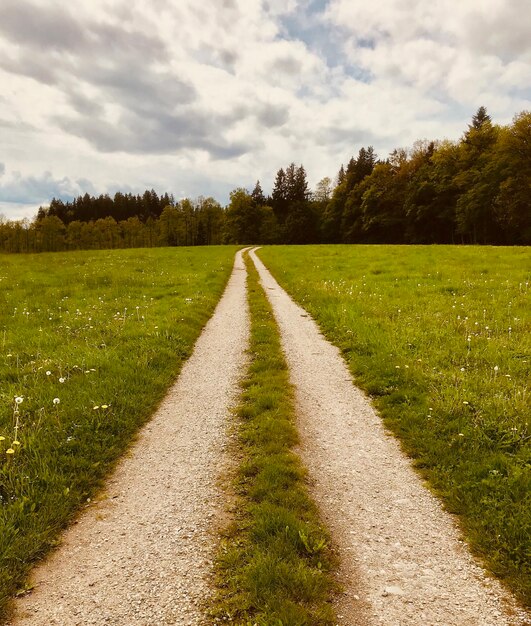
(476, 190)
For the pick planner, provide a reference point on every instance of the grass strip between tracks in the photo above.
(274, 564)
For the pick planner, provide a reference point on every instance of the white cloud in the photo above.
(199, 98)
(466, 53)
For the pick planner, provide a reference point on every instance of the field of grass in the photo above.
(440, 337)
(89, 343)
(274, 563)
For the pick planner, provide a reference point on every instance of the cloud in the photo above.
(186, 96)
(158, 134)
(16, 188)
(271, 115)
(48, 28)
(459, 52)
(29, 25)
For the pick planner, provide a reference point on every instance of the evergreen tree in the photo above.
(478, 181)
(258, 195)
(279, 197)
(340, 175)
(479, 118)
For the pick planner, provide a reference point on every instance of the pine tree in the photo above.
(279, 197)
(340, 175)
(258, 195)
(481, 117)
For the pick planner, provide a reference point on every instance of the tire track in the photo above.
(142, 555)
(403, 561)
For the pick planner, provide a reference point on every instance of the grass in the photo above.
(275, 560)
(440, 338)
(90, 341)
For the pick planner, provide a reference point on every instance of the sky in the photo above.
(198, 98)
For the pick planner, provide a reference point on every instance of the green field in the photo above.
(440, 337)
(89, 343)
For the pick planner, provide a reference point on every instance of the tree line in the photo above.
(476, 190)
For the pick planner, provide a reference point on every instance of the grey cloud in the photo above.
(161, 134)
(139, 88)
(28, 24)
(2, 169)
(505, 35)
(223, 58)
(16, 125)
(29, 189)
(33, 66)
(228, 57)
(84, 105)
(154, 105)
(116, 40)
(49, 28)
(272, 116)
(340, 136)
(287, 65)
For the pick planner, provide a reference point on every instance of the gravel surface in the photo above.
(403, 561)
(142, 555)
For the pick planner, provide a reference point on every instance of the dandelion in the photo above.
(62, 380)
(465, 402)
(10, 451)
(461, 435)
(19, 400)
(104, 406)
(2, 438)
(48, 373)
(56, 401)
(15, 443)
(462, 369)
(95, 408)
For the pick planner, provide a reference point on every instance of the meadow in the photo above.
(89, 343)
(440, 338)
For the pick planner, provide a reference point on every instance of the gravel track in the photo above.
(142, 555)
(403, 562)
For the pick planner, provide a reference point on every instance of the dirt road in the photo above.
(403, 562)
(142, 555)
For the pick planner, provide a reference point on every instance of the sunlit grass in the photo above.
(274, 564)
(89, 343)
(440, 337)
